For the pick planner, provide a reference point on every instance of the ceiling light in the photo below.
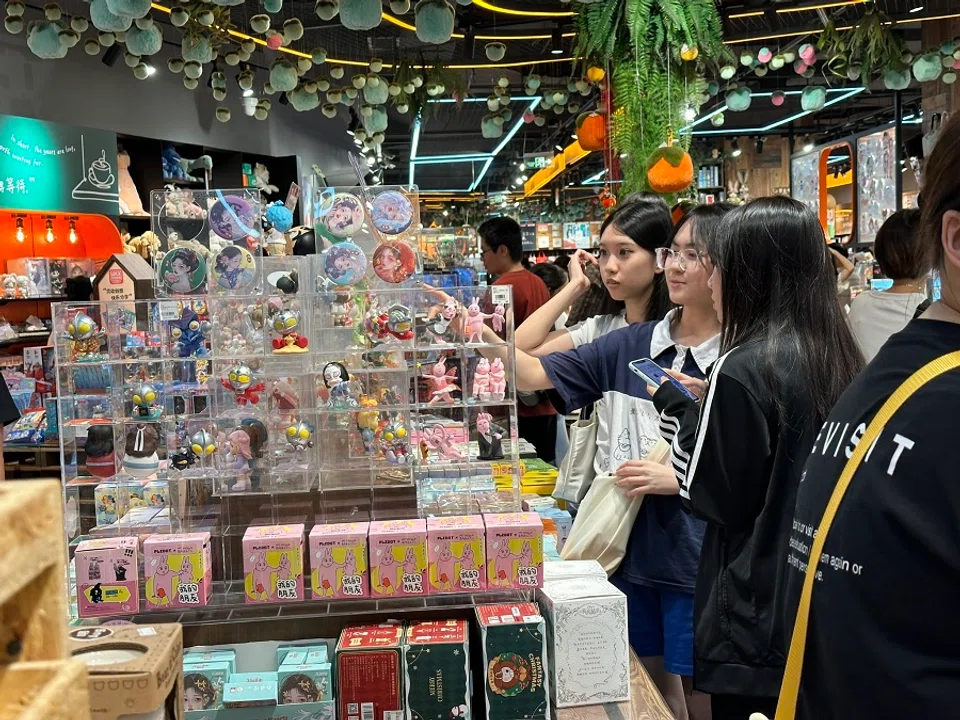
(20, 235)
(690, 114)
(807, 144)
(150, 69)
(735, 150)
(916, 8)
(50, 236)
(248, 92)
(559, 148)
(556, 46)
(73, 231)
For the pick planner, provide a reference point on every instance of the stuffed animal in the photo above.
(130, 203)
(143, 245)
(178, 168)
(263, 179)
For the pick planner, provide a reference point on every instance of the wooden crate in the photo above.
(46, 690)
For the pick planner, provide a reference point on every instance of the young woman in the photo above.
(787, 356)
(881, 640)
(629, 239)
(875, 315)
(659, 569)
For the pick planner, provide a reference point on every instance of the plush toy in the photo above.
(144, 245)
(130, 203)
(178, 168)
(669, 169)
(279, 216)
(263, 179)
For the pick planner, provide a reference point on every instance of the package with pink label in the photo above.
(273, 563)
(514, 550)
(338, 561)
(456, 552)
(107, 577)
(177, 570)
(398, 558)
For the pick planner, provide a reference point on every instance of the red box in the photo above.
(369, 672)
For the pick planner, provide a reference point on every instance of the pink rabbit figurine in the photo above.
(498, 381)
(481, 380)
(163, 582)
(445, 567)
(503, 564)
(262, 578)
(498, 319)
(327, 573)
(441, 383)
(474, 322)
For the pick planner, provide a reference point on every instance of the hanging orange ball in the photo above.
(595, 74)
(669, 169)
(592, 131)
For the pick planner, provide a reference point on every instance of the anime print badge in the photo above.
(234, 268)
(233, 218)
(345, 216)
(344, 263)
(392, 213)
(394, 262)
(182, 271)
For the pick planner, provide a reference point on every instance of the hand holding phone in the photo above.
(654, 375)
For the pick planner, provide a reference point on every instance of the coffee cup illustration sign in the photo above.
(100, 174)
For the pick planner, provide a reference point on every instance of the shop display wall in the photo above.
(876, 173)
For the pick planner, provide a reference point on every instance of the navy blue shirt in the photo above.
(664, 546)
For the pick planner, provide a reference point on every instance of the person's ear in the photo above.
(950, 238)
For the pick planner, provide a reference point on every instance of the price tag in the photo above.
(501, 294)
(169, 310)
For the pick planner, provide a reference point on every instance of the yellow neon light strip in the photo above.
(459, 36)
(525, 13)
(801, 33)
(824, 6)
(754, 13)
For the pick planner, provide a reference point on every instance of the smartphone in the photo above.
(653, 374)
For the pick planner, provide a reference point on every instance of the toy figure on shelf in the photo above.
(300, 436)
(286, 323)
(439, 326)
(26, 287)
(86, 336)
(489, 438)
(498, 381)
(9, 285)
(440, 380)
(499, 317)
(481, 380)
(189, 334)
(145, 402)
(342, 309)
(381, 324)
(203, 444)
(183, 459)
(437, 441)
(368, 422)
(392, 441)
(244, 386)
(238, 458)
(286, 399)
(337, 381)
(474, 324)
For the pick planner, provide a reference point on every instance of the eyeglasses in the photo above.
(684, 259)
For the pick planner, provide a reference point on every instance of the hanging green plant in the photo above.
(869, 50)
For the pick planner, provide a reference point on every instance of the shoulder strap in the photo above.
(790, 689)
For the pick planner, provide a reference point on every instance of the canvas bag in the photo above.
(605, 519)
(576, 470)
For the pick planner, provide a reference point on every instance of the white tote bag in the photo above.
(576, 470)
(605, 519)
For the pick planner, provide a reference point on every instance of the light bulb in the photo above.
(20, 236)
(73, 232)
(50, 235)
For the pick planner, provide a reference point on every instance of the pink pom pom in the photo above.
(764, 55)
(800, 67)
(275, 42)
(956, 64)
(808, 53)
(528, 117)
(777, 98)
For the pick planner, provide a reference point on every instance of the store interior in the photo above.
(271, 453)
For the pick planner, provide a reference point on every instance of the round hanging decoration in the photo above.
(669, 169)
(688, 53)
(592, 131)
(813, 98)
(361, 14)
(434, 20)
(495, 51)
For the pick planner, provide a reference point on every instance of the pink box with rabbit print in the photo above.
(514, 551)
(338, 560)
(107, 577)
(273, 563)
(398, 558)
(177, 570)
(455, 553)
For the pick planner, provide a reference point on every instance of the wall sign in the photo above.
(57, 168)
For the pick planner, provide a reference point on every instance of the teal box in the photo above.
(317, 654)
(307, 711)
(269, 676)
(305, 683)
(203, 684)
(200, 656)
(294, 657)
(248, 695)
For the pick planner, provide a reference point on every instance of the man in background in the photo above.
(502, 255)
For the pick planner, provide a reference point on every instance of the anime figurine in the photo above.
(439, 326)
(342, 309)
(140, 449)
(499, 317)
(286, 399)
(300, 436)
(238, 458)
(368, 422)
(382, 324)
(489, 438)
(145, 402)
(189, 334)
(203, 443)
(86, 336)
(474, 323)
(498, 381)
(392, 441)
(183, 459)
(337, 381)
(286, 323)
(440, 380)
(9, 285)
(481, 380)
(288, 284)
(437, 441)
(244, 386)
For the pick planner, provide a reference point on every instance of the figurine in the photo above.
(439, 326)
(337, 381)
(285, 396)
(241, 382)
(499, 317)
(441, 383)
(288, 284)
(489, 438)
(474, 325)
(86, 336)
(368, 422)
(342, 309)
(145, 402)
(9, 285)
(140, 457)
(189, 334)
(396, 321)
(286, 323)
(498, 382)
(183, 459)
(238, 459)
(481, 380)
(202, 443)
(392, 438)
(300, 436)
(436, 440)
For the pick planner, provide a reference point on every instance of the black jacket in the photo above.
(739, 466)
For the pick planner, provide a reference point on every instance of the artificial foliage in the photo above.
(868, 51)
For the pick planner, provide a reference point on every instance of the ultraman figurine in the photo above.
(85, 336)
(189, 334)
(286, 323)
(299, 436)
(392, 441)
(241, 382)
(145, 405)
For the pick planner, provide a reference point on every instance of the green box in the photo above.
(437, 670)
(192, 657)
(244, 695)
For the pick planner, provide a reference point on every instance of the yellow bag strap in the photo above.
(790, 689)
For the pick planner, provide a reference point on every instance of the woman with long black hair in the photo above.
(786, 356)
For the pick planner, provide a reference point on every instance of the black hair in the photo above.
(553, 277)
(201, 683)
(303, 683)
(941, 190)
(78, 289)
(898, 249)
(503, 232)
(779, 290)
(99, 441)
(257, 432)
(344, 375)
(187, 257)
(304, 241)
(289, 284)
(562, 262)
(704, 221)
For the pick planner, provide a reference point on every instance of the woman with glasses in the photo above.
(659, 569)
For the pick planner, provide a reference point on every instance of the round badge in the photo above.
(345, 216)
(394, 262)
(234, 268)
(233, 218)
(323, 202)
(180, 220)
(392, 212)
(182, 271)
(344, 263)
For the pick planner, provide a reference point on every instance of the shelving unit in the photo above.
(710, 182)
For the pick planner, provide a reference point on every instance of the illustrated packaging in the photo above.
(273, 563)
(456, 554)
(437, 676)
(177, 570)
(398, 558)
(514, 551)
(338, 561)
(369, 667)
(107, 577)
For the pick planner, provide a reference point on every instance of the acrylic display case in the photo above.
(805, 180)
(876, 172)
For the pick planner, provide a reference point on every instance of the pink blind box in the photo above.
(514, 551)
(177, 570)
(398, 558)
(456, 553)
(338, 561)
(273, 563)
(107, 577)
